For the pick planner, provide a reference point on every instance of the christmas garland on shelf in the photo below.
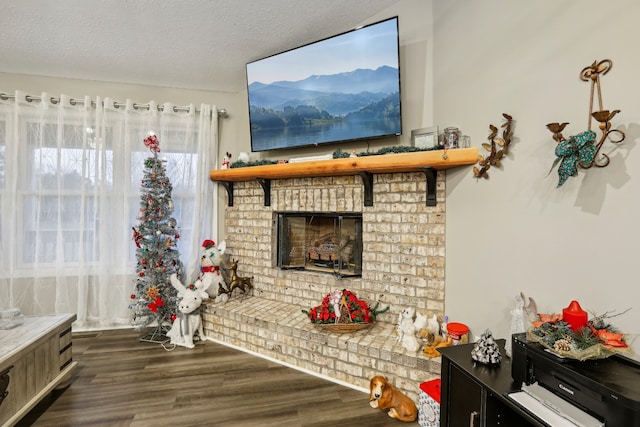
(397, 149)
(239, 164)
(340, 154)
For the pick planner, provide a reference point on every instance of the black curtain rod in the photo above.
(29, 98)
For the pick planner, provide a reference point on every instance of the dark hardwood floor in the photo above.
(121, 381)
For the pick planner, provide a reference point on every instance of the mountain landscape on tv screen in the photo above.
(358, 104)
(337, 94)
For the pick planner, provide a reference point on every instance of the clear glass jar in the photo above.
(450, 137)
(465, 141)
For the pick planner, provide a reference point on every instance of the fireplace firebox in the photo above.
(324, 242)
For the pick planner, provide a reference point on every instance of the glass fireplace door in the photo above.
(322, 242)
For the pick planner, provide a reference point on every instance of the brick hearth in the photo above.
(280, 331)
(403, 265)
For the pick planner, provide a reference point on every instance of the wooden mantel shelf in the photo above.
(387, 163)
(421, 161)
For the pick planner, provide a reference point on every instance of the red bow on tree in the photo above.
(156, 304)
(152, 143)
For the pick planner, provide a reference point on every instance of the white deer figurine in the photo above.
(188, 320)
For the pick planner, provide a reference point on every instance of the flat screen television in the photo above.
(343, 88)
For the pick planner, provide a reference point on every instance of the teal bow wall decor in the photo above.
(578, 149)
(582, 150)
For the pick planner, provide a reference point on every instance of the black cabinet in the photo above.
(464, 408)
(475, 395)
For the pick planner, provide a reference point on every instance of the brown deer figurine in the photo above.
(242, 283)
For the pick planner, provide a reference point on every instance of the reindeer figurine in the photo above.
(242, 283)
(188, 322)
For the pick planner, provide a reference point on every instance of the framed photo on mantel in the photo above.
(425, 138)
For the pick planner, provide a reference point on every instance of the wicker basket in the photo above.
(342, 327)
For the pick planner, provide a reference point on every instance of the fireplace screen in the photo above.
(324, 242)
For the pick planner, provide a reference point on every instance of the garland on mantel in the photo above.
(256, 163)
(340, 154)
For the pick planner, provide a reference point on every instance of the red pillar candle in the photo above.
(575, 316)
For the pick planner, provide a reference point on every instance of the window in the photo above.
(70, 184)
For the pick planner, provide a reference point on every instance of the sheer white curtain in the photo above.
(70, 175)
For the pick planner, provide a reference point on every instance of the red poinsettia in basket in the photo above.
(343, 311)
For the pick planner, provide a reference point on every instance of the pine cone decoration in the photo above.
(562, 345)
(486, 350)
(345, 315)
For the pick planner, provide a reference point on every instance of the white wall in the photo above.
(517, 231)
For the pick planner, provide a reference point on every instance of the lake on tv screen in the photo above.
(297, 136)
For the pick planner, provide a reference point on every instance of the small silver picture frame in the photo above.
(425, 138)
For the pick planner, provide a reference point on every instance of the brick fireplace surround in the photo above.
(402, 266)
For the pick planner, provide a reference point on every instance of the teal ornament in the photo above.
(578, 149)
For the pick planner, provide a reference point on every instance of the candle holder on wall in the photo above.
(583, 150)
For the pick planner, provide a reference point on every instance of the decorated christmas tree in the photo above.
(154, 300)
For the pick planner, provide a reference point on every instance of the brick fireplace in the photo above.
(403, 255)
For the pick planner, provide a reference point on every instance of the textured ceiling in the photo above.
(192, 44)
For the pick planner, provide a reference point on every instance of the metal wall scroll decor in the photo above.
(497, 148)
(583, 150)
